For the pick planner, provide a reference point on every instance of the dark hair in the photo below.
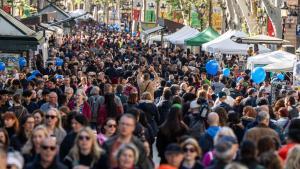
(291, 100)
(222, 114)
(111, 106)
(105, 122)
(262, 101)
(265, 144)
(167, 94)
(177, 100)
(270, 160)
(248, 151)
(163, 83)
(7, 141)
(294, 130)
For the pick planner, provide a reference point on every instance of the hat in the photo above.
(294, 130)
(27, 93)
(173, 148)
(222, 94)
(194, 104)
(16, 159)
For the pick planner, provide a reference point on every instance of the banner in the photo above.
(270, 28)
(136, 15)
(216, 15)
(150, 16)
(7, 9)
(195, 20)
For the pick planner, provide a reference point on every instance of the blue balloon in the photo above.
(35, 72)
(280, 76)
(226, 72)
(59, 76)
(133, 33)
(258, 75)
(22, 62)
(31, 77)
(2, 66)
(212, 67)
(126, 29)
(59, 62)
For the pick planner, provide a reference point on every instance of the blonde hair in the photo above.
(193, 142)
(96, 150)
(58, 115)
(293, 158)
(131, 147)
(81, 92)
(28, 147)
(146, 96)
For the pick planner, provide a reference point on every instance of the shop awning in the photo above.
(153, 30)
(259, 39)
(205, 36)
(18, 43)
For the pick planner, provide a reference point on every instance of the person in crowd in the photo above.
(126, 128)
(222, 98)
(192, 154)
(19, 110)
(170, 131)
(265, 144)
(11, 124)
(78, 122)
(174, 156)
(27, 101)
(48, 156)
(283, 119)
(80, 104)
(164, 105)
(4, 139)
(86, 152)
(108, 130)
(249, 115)
(262, 129)
(132, 102)
(248, 155)
(237, 106)
(14, 160)
(293, 158)
(235, 123)
(270, 160)
(251, 99)
(26, 128)
(38, 117)
(94, 101)
(293, 138)
(127, 156)
(290, 105)
(33, 145)
(144, 82)
(52, 103)
(54, 125)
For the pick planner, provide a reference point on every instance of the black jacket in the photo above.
(66, 145)
(86, 161)
(36, 164)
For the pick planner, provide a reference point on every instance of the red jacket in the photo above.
(86, 110)
(283, 151)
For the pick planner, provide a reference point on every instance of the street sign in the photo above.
(298, 30)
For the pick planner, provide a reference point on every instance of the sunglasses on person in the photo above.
(111, 125)
(52, 148)
(192, 150)
(84, 138)
(50, 117)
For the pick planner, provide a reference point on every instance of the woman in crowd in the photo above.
(132, 101)
(4, 139)
(11, 124)
(54, 125)
(32, 146)
(86, 152)
(108, 130)
(127, 157)
(170, 131)
(192, 155)
(248, 155)
(80, 104)
(249, 115)
(27, 125)
(293, 159)
(38, 117)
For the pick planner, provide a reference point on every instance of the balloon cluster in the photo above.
(212, 67)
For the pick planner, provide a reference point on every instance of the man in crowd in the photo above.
(52, 103)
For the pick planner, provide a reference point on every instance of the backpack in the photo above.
(196, 125)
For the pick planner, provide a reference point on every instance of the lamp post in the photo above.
(163, 8)
(151, 6)
(284, 13)
(139, 6)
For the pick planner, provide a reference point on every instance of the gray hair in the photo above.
(69, 89)
(262, 115)
(131, 147)
(95, 90)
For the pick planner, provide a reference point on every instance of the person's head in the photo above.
(108, 88)
(95, 91)
(167, 94)
(174, 155)
(290, 101)
(80, 96)
(194, 107)
(69, 91)
(249, 111)
(27, 123)
(223, 115)
(110, 127)
(27, 95)
(4, 139)
(127, 156)
(294, 94)
(225, 150)
(227, 134)
(270, 160)
(191, 149)
(146, 76)
(133, 98)
(67, 81)
(39, 133)
(293, 158)
(53, 98)
(213, 119)
(294, 131)
(235, 165)
(263, 117)
(48, 150)
(283, 112)
(11, 121)
(265, 144)
(15, 160)
(78, 121)
(53, 118)
(222, 96)
(248, 150)
(38, 117)
(252, 92)
(119, 88)
(146, 96)
(127, 125)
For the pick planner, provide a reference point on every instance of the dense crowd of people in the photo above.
(117, 103)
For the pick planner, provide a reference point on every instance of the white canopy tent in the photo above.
(280, 67)
(225, 45)
(79, 12)
(155, 38)
(282, 59)
(178, 37)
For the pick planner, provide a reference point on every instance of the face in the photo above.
(174, 159)
(110, 127)
(67, 81)
(190, 152)
(37, 138)
(76, 126)
(29, 124)
(126, 126)
(126, 159)
(53, 98)
(2, 137)
(51, 118)
(37, 118)
(48, 150)
(9, 122)
(85, 141)
(78, 97)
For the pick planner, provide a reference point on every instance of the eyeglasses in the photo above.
(52, 148)
(84, 138)
(50, 116)
(192, 150)
(111, 125)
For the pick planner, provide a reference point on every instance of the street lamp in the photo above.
(162, 7)
(284, 13)
(151, 6)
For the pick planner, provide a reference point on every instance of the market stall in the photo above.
(205, 36)
(184, 33)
